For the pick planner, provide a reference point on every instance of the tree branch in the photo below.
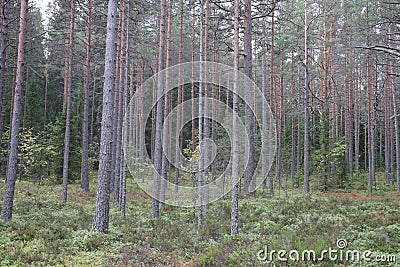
(386, 49)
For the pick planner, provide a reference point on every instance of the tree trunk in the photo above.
(119, 111)
(101, 213)
(180, 94)
(12, 92)
(214, 109)
(324, 120)
(371, 139)
(3, 61)
(395, 115)
(264, 152)
(272, 82)
(249, 182)
(351, 104)
(141, 132)
(201, 126)
(397, 137)
(116, 103)
(192, 102)
(365, 145)
(24, 118)
(157, 156)
(356, 123)
(125, 129)
(46, 89)
(93, 104)
(299, 125)
(206, 121)
(235, 144)
(132, 121)
(6, 214)
(85, 125)
(165, 136)
(306, 108)
(293, 133)
(387, 124)
(68, 103)
(279, 126)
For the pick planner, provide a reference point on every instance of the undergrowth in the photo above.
(45, 232)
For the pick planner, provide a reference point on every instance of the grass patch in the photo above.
(45, 232)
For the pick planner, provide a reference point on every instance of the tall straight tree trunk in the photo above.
(180, 94)
(141, 132)
(201, 126)
(366, 145)
(3, 61)
(93, 104)
(249, 118)
(155, 210)
(13, 92)
(206, 121)
(156, 70)
(214, 110)
(132, 121)
(119, 102)
(6, 213)
(324, 120)
(135, 108)
(299, 125)
(279, 126)
(356, 122)
(125, 129)
(395, 115)
(192, 102)
(351, 111)
(227, 94)
(392, 145)
(164, 160)
(153, 113)
(46, 89)
(388, 105)
(24, 118)
(387, 124)
(235, 144)
(293, 134)
(116, 99)
(371, 139)
(165, 136)
(306, 107)
(397, 136)
(264, 152)
(66, 72)
(101, 213)
(68, 103)
(272, 81)
(85, 125)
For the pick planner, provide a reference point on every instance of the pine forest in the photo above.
(200, 133)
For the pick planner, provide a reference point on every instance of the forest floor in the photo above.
(45, 232)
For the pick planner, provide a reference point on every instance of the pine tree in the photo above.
(85, 124)
(6, 213)
(157, 154)
(306, 106)
(235, 145)
(68, 100)
(101, 214)
(3, 61)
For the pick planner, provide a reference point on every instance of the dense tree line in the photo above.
(329, 71)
